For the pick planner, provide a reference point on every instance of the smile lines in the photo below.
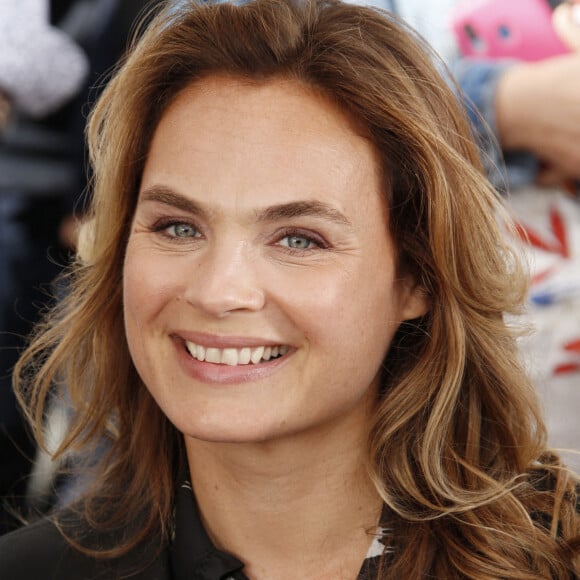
(235, 356)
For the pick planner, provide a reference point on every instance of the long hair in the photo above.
(457, 448)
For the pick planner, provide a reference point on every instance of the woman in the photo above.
(292, 301)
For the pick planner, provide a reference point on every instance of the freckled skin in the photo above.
(236, 149)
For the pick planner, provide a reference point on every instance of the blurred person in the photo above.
(283, 324)
(526, 116)
(41, 70)
(42, 158)
(102, 28)
(537, 107)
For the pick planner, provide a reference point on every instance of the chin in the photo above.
(230, 430)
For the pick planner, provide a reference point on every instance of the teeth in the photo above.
(229, 357)
(235, 356)
(257, 354)
(213, 355)
(244, 356)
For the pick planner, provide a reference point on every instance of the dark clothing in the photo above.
(40, 551)
(193, 554)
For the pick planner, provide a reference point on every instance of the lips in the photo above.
(235, 356)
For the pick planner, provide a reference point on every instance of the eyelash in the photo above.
(316, 240)
(161, 227)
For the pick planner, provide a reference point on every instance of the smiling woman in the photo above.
(256, 243)
(289, 323)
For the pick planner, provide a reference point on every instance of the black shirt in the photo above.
(192, 554)
(194, 557)
(40, 551)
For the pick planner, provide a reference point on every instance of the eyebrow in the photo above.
(166, 196)
(300, 209)
(314, 208)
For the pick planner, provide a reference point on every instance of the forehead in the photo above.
(280, 138)
(293, 108)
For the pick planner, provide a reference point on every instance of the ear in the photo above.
(415, 300)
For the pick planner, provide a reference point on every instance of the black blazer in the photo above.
(39, 552)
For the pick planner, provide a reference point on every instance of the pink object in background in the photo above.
(506, 29)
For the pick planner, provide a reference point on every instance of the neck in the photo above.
(267, 503)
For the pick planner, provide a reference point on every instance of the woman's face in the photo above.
(260, 283)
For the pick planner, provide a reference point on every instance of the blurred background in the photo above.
(55, 56)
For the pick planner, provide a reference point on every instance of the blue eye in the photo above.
(297, 242)
(182, 231)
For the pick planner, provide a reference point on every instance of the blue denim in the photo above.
(478, 81)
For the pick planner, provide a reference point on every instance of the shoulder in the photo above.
(40, 551)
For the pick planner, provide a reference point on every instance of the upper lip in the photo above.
(225, 341)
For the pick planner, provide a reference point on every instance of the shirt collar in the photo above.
(193, 555)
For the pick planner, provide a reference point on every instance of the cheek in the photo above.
(337, 313)
(148, 288)
(148, 285)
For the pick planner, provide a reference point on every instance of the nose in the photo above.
(224, 280)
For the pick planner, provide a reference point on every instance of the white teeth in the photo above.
(257, 354)
(213, 355)
(235, 356)
(229, 357)
(244, 356)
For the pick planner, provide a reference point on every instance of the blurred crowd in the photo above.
(54, 57)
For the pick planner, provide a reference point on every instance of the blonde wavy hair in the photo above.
(458, 447)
